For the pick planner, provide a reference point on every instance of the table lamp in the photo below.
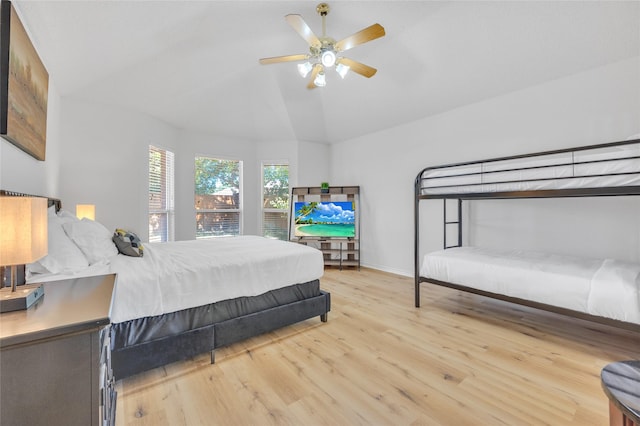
(23, 239)
(86, 210)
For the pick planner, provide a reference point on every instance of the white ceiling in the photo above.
(194, 64)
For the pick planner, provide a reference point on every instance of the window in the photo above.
(218, 199)
(275, 200)
(161, 203)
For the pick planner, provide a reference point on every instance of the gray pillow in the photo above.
(128, 243)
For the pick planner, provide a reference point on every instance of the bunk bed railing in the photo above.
(537, 154)
(571, 163)
(553, 167)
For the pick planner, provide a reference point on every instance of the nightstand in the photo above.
(55, 364)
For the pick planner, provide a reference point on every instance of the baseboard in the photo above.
(387, 269)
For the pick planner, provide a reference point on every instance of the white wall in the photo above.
(313, 164)
(601, 105)
(104, 161)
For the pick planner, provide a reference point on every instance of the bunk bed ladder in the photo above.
(447, 223)
(416, 240)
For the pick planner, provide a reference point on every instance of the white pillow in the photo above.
(36, 268)
(63, 255)
(93, 239)
(67, 216)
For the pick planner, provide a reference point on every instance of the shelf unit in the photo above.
(337, 252)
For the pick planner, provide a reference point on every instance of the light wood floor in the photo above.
(460, 359)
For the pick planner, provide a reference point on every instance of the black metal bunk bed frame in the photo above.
(419, 195)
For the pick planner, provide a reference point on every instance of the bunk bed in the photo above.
(601, 290)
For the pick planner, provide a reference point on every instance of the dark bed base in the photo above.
(146, 356)
(551, 308)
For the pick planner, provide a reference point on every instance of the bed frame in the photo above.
(134, 359)
(487, 170)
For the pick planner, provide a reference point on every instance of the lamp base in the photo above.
(22, 298)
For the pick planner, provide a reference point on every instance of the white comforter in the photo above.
(179, 275)
(606, 288)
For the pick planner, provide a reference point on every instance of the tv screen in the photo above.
(325, 219)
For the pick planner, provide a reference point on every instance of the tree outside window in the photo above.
(217, 197)
(275, 200)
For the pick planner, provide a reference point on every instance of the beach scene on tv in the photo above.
(325, 219)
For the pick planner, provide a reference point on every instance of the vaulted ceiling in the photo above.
(194, 64)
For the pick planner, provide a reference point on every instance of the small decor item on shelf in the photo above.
(324, 187)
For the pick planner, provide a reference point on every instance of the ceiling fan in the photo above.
(325, 52)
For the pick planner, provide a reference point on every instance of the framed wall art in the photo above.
(24, 87)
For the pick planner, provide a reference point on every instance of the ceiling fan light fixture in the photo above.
(324, 50)
(342, 70)
(305, 68)
(320, 79)
(328, 58)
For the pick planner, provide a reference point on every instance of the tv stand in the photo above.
(337, 252)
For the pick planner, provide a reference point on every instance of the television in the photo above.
(335, 219)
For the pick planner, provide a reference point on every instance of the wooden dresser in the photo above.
(55, 364)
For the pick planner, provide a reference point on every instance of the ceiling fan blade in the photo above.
(301, 27)
(370, 33)
(314, 72)
(286, 58)
(358, 67)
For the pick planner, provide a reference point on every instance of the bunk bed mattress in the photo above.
(606, 288)
(595, 170)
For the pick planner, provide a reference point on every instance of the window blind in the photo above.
(161, 195)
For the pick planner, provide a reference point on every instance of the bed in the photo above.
(185, 298)
(602, 290)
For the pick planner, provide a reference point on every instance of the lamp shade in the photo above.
(23, 230)
(342, 70)
(86, 210)
(305, 68)
(320, 80)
